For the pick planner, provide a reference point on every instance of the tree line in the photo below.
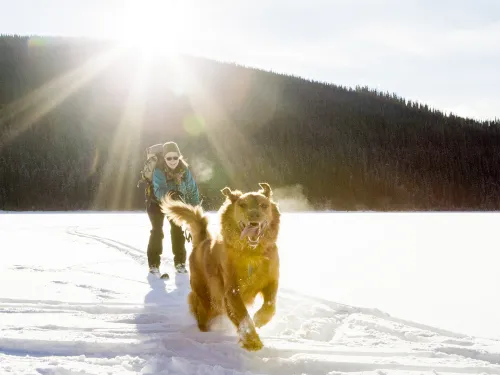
(76, 116)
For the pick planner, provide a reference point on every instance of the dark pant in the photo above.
(155, 245)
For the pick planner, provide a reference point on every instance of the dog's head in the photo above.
(251, 217)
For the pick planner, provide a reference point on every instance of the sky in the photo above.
(444, 53)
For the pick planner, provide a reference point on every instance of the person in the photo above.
(170, 176)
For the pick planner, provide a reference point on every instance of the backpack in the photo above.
(152, 155)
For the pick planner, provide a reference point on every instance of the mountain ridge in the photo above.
(344, 148)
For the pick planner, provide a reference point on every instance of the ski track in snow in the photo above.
(108, 330)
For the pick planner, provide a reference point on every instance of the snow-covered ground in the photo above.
(75, 298)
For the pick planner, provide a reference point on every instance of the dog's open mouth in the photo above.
(253, 231)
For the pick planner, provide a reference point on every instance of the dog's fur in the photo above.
(227, 272)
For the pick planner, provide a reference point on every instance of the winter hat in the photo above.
(171, 147)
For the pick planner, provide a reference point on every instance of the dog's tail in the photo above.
(193, 216)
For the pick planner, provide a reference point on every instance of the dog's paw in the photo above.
(248, 337)
(263, 315)
(251, 342)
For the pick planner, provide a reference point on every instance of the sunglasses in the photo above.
(172, 158)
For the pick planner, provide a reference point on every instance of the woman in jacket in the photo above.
(171, 175)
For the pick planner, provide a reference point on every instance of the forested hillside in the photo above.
(76, 116)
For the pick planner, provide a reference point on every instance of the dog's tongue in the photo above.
(250, 230)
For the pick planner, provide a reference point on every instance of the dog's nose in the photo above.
(253, 215)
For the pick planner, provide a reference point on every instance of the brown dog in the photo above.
(227, 272)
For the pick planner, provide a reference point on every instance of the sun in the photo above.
(156, 27)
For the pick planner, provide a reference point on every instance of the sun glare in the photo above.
(155, 27)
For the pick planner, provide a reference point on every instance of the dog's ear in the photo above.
(266, 189)
(232, 195)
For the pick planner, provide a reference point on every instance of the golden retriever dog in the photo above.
(230, 268)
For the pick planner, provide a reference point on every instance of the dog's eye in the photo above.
(242, 205)
(264, 205)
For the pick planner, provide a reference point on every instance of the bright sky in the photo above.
(445, 53)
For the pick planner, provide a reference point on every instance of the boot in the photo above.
(181, 268)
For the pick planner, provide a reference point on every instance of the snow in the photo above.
(374, 293)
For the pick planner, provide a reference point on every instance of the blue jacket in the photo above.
(187, 187)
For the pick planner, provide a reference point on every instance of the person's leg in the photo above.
(155, 245)
(178, 246)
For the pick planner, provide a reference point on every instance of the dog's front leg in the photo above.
(268, 308)
(238, 313)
